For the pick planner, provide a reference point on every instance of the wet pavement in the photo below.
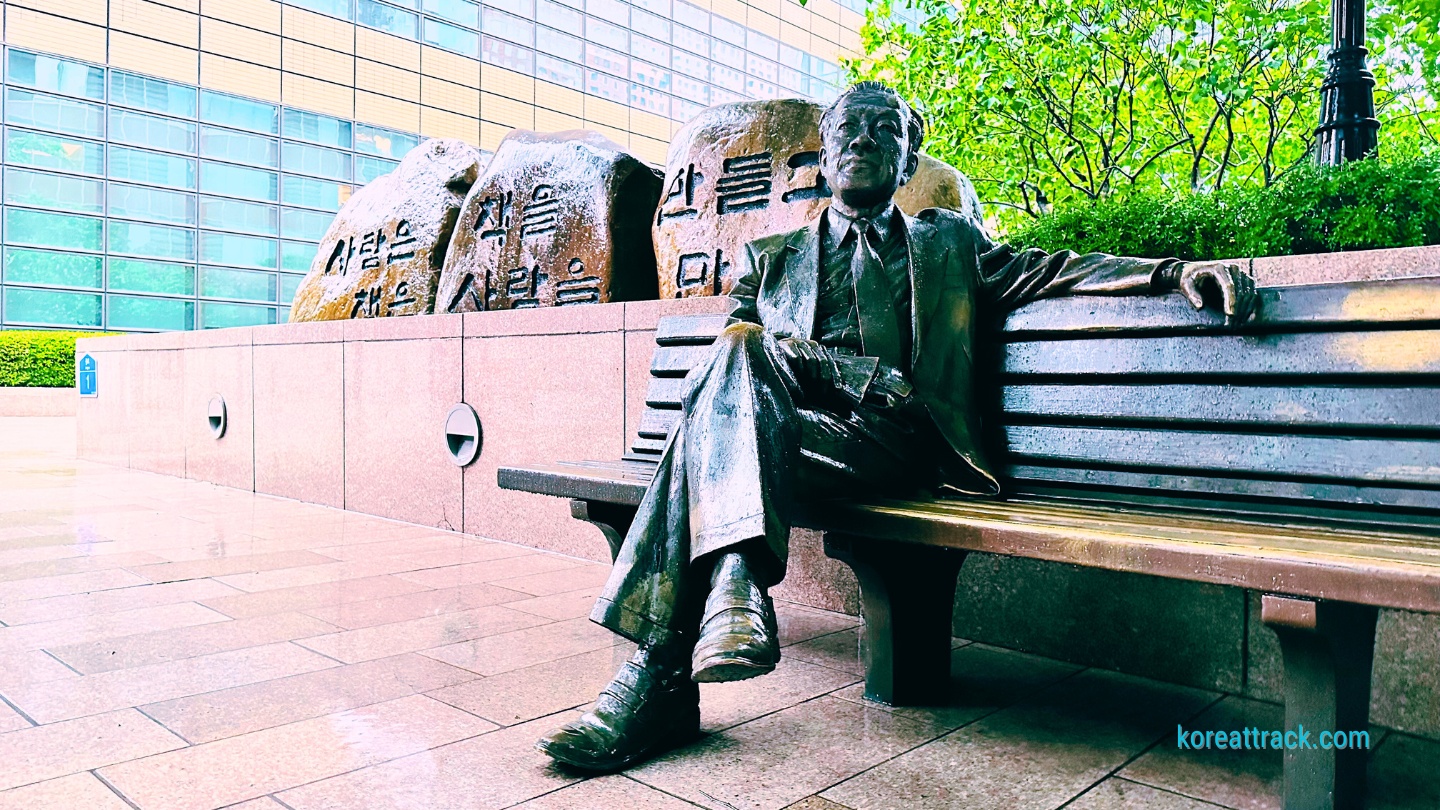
(173, 645)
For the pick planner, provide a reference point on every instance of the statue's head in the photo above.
(870, 144)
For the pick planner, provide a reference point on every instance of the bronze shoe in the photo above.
(644, 712)
(739, 638)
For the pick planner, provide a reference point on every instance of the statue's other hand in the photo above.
(810, 360)
(1238, 299)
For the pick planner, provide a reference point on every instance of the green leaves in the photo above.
(38, 358)
(1061, 102)
(1383, 203)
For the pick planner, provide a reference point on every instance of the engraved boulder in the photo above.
(556, 219)
(747, 169)
(383, 253)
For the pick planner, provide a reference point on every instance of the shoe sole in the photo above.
(724, 669)
(672, 741)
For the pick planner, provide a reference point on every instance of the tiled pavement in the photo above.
(171, 645)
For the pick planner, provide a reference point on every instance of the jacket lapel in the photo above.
(798, 288)
(927, 263)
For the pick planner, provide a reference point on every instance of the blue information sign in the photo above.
(86, 376)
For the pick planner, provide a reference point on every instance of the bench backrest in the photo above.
(1328, 400)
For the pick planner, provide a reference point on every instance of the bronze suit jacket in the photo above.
(957, 276)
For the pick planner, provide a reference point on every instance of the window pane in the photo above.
(53, 191)
(153, 277)
(51, 308)
(447, 36)
(154, 241)
(508, 55)
(690, 90)
(288, 285)
(650, 100)
(218, 108)
(244, 285)
(335, 8)
(315, 193)
(692, 41)
(733, 33)
(43, 267)
(650, 25)
(316, 128)
(728, 78)
(233, 215)
(53, 152)
(603, 33)
(386, 18)
(558, 16)
(761, 44)
(146, 93)
(508, 26)
(460, 11)
(691, 65)
(245, 251)
(219, 316)
(693, 16)
(316, 160)
(649, 50)
(53, 230)
(369, 168)
(650, 76)
(151, 167)
(661, 7)
(296, 223)
(608, 61)
(135, 202)
(609, 87)
(682, 110)
(612, 10)
(522, 8)
(548, 40)
(166, 314)
(562, 73)
(52, 112)
(240, 147)
(297, 256)
(238, 181)
(56, 75)
(150, 130)
(383, 142)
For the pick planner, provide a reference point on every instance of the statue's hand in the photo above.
(810, 360)
(1238, 299)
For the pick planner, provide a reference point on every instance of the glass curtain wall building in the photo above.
(155, 180)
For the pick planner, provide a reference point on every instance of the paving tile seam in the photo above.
(95, 772)
(27, 718)
(141, 709)
(1114, 773)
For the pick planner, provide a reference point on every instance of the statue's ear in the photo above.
(912, 165)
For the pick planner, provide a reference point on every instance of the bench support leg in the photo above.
(907, 598)
(613, 520)
(1328, 649)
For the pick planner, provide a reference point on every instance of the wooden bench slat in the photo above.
(1299, 494)
(676, 361)
(665, 392)
(1401, 461)
(1379, 574)
(679, 330)
(1313, 353)
(1318, 306)
(1359, 407)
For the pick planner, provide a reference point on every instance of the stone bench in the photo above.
(1299, 457)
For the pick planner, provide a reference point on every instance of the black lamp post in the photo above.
(1348, 125)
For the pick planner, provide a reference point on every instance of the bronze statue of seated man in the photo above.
(846, 372)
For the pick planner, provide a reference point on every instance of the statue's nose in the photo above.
(862, 142)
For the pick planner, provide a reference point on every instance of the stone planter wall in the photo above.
(38, 401)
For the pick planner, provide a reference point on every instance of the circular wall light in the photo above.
(215, 415)
(463, 437)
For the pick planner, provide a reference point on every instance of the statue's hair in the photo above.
(915, 123)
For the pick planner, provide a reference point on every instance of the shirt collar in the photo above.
(838, 225)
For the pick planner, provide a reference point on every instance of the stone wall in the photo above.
(37, 401)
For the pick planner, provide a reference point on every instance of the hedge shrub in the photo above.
(39, 359)
(1381, 203)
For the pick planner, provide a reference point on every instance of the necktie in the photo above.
(879, 331)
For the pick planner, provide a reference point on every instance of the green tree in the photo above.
(1054, 102)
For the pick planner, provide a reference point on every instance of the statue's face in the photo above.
(865, 150)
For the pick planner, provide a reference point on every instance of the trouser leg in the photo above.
(725, 480)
